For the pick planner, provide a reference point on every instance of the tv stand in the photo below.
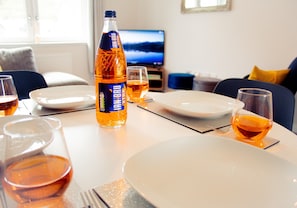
(156, 79)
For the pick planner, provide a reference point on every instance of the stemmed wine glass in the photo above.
(8, 96)
(252, 123)
(37, 167)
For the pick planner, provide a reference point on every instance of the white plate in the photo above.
(64, 97)
(197, 103)
(21, 147)
(208, 171)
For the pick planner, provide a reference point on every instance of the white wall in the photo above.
(262, 33)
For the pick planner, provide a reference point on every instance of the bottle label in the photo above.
(109, 40)
(111, 97)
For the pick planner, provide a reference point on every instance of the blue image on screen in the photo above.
(143, 47)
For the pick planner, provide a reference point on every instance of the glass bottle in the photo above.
(110, 76)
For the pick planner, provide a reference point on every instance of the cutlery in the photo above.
(92, 199)
(3, 203)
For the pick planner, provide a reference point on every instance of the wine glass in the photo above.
(37, 167)
(137, 83)
(252, 123)
(8, 96)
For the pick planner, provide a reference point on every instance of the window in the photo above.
(203, 3)
(207, 3)
(41, 21)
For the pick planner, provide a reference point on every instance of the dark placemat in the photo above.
(196, 124)
(229, 133)
(37, 110)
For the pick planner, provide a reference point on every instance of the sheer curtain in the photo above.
(95, 10)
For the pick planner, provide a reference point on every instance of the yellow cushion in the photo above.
(272, 76)
(0, 68)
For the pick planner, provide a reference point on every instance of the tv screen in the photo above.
(143, 47)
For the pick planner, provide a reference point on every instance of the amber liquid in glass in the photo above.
(37, 178)
(136, 90)
(110, 68)
(8, 105)
(251, 128)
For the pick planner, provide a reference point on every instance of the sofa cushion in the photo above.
(17, 59)
(272, 76)
(61, 78)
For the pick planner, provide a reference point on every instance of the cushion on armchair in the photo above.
(272, 76)
(54, 79)
(17, 59)
(288, 77)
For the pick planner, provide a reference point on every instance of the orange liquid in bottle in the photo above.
(110, 68)
(37, 178)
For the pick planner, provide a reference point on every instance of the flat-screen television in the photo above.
(143, 47)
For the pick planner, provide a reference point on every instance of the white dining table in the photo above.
(98, 154)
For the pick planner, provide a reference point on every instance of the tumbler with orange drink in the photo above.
(252, 123)
(137, 83)
(8, 96)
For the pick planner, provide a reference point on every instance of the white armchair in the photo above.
(23, 59)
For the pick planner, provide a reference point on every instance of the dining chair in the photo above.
(282, 98)
(26, 81)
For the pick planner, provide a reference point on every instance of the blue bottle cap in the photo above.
(110, 13)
